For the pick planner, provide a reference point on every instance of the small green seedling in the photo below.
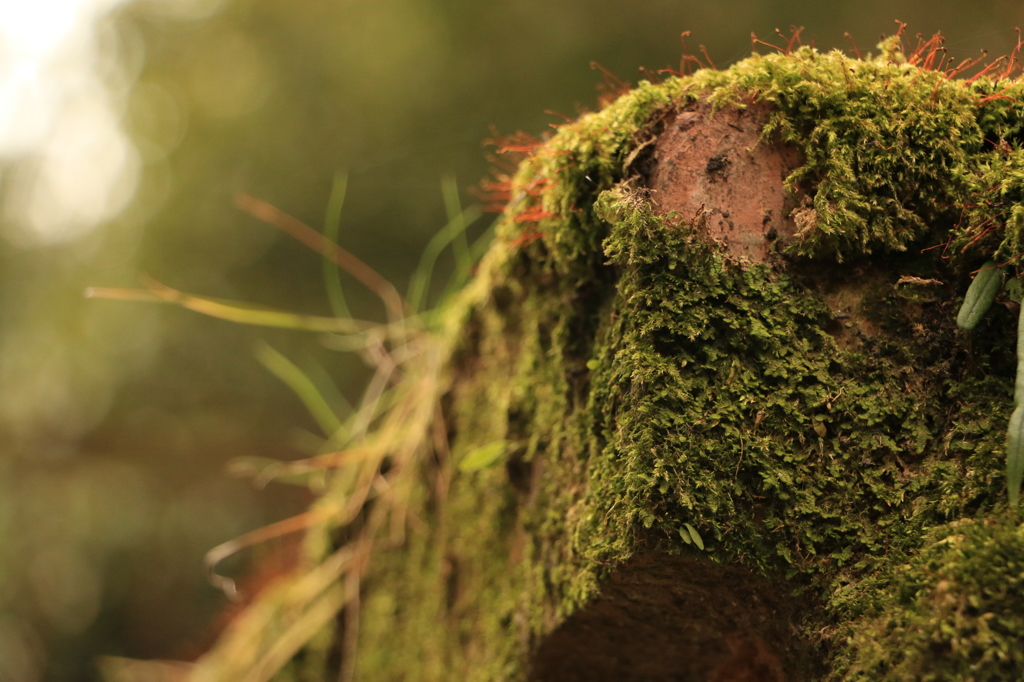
(1013, 289)
(979, 298)
(483, 457)
(690, 536)
(980, 295)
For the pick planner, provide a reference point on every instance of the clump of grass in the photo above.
(373, 458)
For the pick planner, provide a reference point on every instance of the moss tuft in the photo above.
(954, 611)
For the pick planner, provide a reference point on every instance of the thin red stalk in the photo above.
(855, 50)
(704, 51)
(305, 234)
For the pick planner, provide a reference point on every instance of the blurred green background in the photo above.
(120, 156)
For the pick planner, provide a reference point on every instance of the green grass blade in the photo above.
(332, 228)
(456, 218)
(420, 284)
(303, 387)
(475, 253)
(483, 457)
(232, 311)
(480, 245)
(463, 264)
(326, 385)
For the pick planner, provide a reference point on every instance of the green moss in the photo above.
(644, 381)
(893, 153)
(955, 610)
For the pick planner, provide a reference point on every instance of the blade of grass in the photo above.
(248, 647)
(461, 275)
(460, 243)
(375, 391)
(232, 311)
(476, 252)
(420, 284)
(290, 525)
(321, 378)
(303, 387)
(305, 234)
(300, 629)
(332, 228)
(480, 244)
(265, 469)
(453, 207)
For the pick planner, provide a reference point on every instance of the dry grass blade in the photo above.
(264, 470)
(232, 311)
(305, 234)
(287, 644)
(293, 524)
(278, 624)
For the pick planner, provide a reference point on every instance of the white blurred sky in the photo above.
(63, 87)
(57, 115)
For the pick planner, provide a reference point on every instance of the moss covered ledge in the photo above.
(716, 466)
(813, 416)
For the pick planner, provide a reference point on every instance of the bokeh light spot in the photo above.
(67, 588)
(59, 119)
(231, 79)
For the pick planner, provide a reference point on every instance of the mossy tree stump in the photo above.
(712, 310)
(721, 312)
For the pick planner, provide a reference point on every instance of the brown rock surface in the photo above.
(715, 168)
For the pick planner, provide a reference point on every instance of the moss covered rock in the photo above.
(731, 433)
(779, 407)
